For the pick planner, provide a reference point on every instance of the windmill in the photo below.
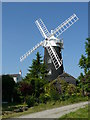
(52, 46)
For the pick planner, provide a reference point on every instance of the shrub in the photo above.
(67, 96)
(44, 98)
(47, 96)
(30, 100)
(25, 88)
(54, 95)
(71, 89)
(73, 99)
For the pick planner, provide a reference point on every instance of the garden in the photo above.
(34, 93)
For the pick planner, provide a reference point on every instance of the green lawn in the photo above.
(40, 107)
(11, 106)
(80, 113)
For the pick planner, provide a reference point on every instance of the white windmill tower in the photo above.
(52, 46)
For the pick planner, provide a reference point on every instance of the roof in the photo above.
(66, 75)
(14, 75)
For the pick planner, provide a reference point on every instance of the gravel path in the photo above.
(56, 112)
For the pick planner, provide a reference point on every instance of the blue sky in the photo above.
(19, 33)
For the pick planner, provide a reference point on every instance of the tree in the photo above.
(7, 87)
(36, 77)
(37, 69)
(43, 71)
(84, 63)
(25, 88)
(71, 89)
(63, 86)
(39, 87)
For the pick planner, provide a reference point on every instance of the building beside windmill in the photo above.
(67, 77)
(16, 77)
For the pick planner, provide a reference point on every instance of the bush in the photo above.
(54, 95)
(47, 96)
(71, 89)
(44, 98)
(73, 99)
(30, 100)
(67, 96)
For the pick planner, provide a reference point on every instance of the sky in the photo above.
(19, 33)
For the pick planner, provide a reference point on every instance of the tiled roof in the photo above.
(65, 75)
(13, 75)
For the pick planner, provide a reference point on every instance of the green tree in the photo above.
(39, 87)
(43, 70)
(84, 63)
(24, 88)
(38, 69)
(81, 83)
(8, 85)
(71, 89)
(63, 86)
(36, 76)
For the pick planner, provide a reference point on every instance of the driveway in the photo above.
(56, 112)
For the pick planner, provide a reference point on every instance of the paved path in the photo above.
(55, 112)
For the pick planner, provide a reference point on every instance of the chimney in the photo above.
(20, 72)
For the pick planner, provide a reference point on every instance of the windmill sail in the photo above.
(42, 28)
(54, 56)
(65, 25)
(31, 50)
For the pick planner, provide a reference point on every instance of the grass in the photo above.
(40, 107)
(80, 113)
(11, 106)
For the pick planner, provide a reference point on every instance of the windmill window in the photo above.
(49, 72)
(49, 60)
